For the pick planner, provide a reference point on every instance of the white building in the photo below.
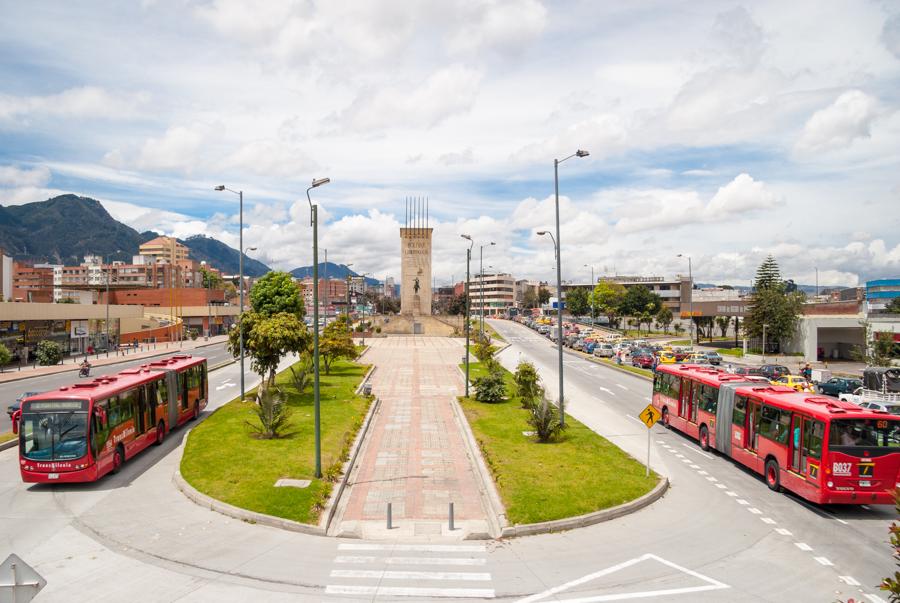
(499, 293)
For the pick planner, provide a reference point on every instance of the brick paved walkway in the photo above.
(414, 456)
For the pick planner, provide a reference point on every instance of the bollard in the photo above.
(390, 525)
(452, 526)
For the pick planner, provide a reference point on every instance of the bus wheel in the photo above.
(118, 459)
(665, 418)
(160, 433)
(704, 438)
(773, 475)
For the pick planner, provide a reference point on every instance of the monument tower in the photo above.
(415, 262)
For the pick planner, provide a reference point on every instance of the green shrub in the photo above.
(528, 388)
(483, 351)
(272, 412)
(300, 375)
(544, 419)
(5, 355)
(48, 353)
(491, 388)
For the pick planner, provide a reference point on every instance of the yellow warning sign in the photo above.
(649, 416)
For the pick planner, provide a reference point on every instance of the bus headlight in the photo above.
(830, 484)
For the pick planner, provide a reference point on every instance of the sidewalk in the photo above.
(414, 456)
(72, 363)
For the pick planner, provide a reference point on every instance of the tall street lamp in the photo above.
(107, 300)
(559, 327)
(240, 195)
(468, 262)
(558, 243)
(481, 281)
(325, 303)
(347, 307)
(591, 298)
(691, 298)
(314, 220)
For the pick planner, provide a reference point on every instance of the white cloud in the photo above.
(849, 117)
(179, 149)
(504, 26)
(741, 195)
(464, 157)
(81, 102)
(890, 35)
(16, 177)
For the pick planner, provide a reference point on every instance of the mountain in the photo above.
(332, 270)
(64, 229)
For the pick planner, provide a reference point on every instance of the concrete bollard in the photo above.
(390, 524)
(452, 525)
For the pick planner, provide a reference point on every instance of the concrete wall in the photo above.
(35, 311)
(835, 334)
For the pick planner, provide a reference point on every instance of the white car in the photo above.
(604, 350)
(890, 407)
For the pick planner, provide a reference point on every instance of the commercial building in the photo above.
(675, 293)
(165, 249)
(499, 293)
(880, 294)
(32, 283)
(6, 277)
(332, 290)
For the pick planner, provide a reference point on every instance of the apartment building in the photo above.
(499, 293)
(165, 249)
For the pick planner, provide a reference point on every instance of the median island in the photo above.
(574, 473)
(227, 459)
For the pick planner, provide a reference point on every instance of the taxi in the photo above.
(666, 357)
(795, 381)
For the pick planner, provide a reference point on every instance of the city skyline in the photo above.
(717, 131)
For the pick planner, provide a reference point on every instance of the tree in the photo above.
(528, 387)
(577, 302)
(665, 317)
(543, 295)
(276, 293)
(771, 305)
(768, 274)
(48, 352)
(607, 298)
(211, 280)
(5, 356)
(457, 305)
(336, 342)
(678, 328)
(891, 584)
(530, 298)
(231, 292)
(879, 347)
(273, 414)
(894, 306)
(723, 322)
(267, 339)
(639, 299)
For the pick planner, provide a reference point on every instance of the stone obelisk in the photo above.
(415, 263)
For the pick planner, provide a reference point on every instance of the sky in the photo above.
(722, 131)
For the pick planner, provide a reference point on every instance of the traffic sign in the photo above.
(25, 585)
(649, 416)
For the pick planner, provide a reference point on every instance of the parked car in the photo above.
(643, 360)
(890, 407)
(747, 371)
(578, 346)
(713, 358)
(681, 353)
(795, 381)
(839, 385)
(695, 358)
(666, 357)
(774, 371)
(18, 403)
(604, 350)
(589, 347)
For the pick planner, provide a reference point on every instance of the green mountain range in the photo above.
(64, 229)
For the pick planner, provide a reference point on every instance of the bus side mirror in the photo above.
(15, 421)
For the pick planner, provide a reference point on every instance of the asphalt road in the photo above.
(719, 534)
(11, 390)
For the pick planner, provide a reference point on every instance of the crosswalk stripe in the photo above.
(411, 560)
(412, 575)
(419, 548)
(399, 591)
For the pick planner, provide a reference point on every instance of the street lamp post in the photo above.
(364, 306)
(325, 304)
(107, 301)
(691, 298)
(559, 327)
(347, 307)
(314, 220)
(558, 243)
(240, 195)
(468, 262)
(591, 298)
(481, 281)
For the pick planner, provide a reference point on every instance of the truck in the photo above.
(880, 384)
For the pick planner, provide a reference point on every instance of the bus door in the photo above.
(799, 425)
(685, 407)
(174, 395)
(140, 413)
(752, 424)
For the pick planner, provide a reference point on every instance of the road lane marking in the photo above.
(721, 486)
(660, 441)
(620, 385)
(823, 560)
(398, 591)
(412, 575)
(783, 532)
(411, 560)
(700, 452)
(768, 520)
(710, 478)
(802, 546)
(711, 583)
(635, 419)
(754, 510)
(819, 512)
(607, 390)
(730, 493)
(697, 467)
(850, 580)
(419, 548)
(741, 501)
(686, 461)
(873, 598)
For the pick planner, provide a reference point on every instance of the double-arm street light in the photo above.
(559, 297)
(691, 298)
(591, 295)
(107, 300)
(468, 262)
(481, 280)
(240, 195)
(314, 221)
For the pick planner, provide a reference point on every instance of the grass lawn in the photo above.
(580, 473)
(225, 460)
(731, 352)
(5, 437)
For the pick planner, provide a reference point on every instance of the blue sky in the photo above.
(719, 130)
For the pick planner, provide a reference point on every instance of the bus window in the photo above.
(686, 408)
(183, 389)
(708, 398)
(740, 410)
(162, 392)
(774, 424)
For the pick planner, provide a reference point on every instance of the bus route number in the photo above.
(881, 425)
(842, 468)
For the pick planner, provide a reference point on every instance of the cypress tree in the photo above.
(768, 275)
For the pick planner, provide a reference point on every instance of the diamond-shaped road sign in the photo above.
(19, 583)
(649, 416)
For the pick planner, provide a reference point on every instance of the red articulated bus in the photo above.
(825, 450)
(81, 432)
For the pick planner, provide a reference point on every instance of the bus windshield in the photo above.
(867, 433)
(54, 435)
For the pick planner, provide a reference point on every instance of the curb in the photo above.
(365, 379)
(243, 514)
(589, 519)
(612, 366)
(10, 444)
(334, 501)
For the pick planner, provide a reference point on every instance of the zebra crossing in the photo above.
(455, 571)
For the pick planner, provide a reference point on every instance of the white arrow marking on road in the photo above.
(226, 384)
(621, 386)
(607, 390)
